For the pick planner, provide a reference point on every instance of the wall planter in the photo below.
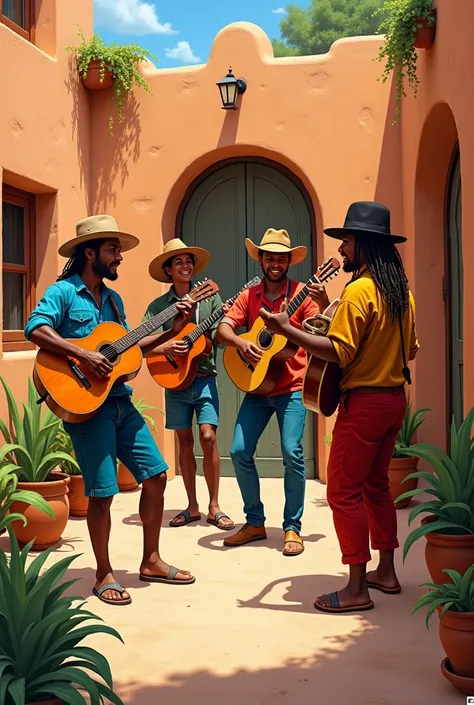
(426, 31)
(98, 77)
(40, 528)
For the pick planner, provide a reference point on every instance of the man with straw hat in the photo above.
(371, 336)
(177, 265)
(71, 308)
(275, 255)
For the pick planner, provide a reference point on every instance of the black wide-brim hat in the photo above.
(366, 218)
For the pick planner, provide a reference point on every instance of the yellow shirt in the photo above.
(367, 340)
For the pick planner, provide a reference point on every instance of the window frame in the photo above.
(14, 340)
(27, 32)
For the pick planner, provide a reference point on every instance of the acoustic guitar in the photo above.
(321, 390)
(73, 392)
(177, 373)
(262, 378)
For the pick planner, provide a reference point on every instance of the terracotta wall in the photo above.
(324, 117)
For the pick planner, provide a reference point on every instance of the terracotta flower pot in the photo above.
(464, 685)
(78, 501)
(447, 551)
(92, 80)
(425, 36)
(43, 529)
(456, 633)
(50, 701)
(125, 479)
(398, 470)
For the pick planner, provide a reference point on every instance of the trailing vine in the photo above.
(398, 51)
(121, 60)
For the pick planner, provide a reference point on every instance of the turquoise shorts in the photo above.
(118, 430)
(200, 397)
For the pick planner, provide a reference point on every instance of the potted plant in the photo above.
(125, 479)
(403, 20)
(101, 66)
(403, 465)
(78, 502)
(29, 446)
(455, 603)
(42, 659)
(449, 526)
(9, 494)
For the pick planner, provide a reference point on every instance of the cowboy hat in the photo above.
(97, 227)
(276, 241)
(368, 218)
(171, 249)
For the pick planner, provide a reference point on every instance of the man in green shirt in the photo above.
(177, 265)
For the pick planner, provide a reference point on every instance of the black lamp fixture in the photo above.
(230, 88)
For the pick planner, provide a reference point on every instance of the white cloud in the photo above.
(130, 17)
(279, 11)
(183, 52)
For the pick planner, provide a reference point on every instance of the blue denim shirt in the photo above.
(71, 310)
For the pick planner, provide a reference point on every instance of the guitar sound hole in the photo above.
(265, 339)
(108, 351)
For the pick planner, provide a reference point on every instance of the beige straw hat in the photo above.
(276, 241)
(177, 247)
(96, 227)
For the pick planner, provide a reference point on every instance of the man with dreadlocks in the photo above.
(371, 335)
(71, 308)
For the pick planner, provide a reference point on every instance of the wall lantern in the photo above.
(230, 88)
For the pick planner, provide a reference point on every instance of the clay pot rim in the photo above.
(451, 615)
(448, 673)
(63, 479)
(438, 537)
(404, 461)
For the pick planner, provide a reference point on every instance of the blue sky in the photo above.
(180, 33)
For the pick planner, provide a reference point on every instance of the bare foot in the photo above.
(223, 519)
(388, 581)
(186, 517)
(347, 598)
(112, 595)
(293, 543)
(160, 569)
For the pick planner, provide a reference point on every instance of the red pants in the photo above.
(358, 489)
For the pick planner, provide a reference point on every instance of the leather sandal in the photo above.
(292, 537)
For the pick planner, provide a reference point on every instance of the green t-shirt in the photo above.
(206, 366)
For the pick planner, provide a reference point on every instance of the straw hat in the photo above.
(96, 227)
(276, 241)
(171, 249)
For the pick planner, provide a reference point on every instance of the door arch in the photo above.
(234, 200)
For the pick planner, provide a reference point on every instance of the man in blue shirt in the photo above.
(71, 308)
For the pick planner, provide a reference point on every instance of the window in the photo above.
(19, 15)
(18, 266)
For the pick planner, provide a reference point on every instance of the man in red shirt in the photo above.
(275, 255)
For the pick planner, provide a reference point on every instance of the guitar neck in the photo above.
(147, 328)
(297, 300)
(209, 322)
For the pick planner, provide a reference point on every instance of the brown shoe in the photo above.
(246, 534)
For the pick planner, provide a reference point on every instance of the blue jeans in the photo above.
(117, 430)
(253, 417)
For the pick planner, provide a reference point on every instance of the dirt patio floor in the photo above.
(246, 633)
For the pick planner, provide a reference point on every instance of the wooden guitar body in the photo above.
(261, 378)
(177, 373)
(321, 392)
(61, 387)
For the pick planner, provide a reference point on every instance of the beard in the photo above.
(103, 271)
(273, 279)
(349, 267)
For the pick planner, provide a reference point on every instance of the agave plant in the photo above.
(41, 632)
(457, 596)
(411, 422)
(64, 443)
(10, 494)
(141, 407)
(451, 484)
(30, 440)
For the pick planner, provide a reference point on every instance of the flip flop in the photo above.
(111, 586)
(170, 578)
(334, 606)
(388, 591)
(215, 522)
(187, 519)
(292, 536)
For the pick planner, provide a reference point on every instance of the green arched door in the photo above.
(237, 201)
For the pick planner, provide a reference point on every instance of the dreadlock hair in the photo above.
(386, 267)
(76, 263)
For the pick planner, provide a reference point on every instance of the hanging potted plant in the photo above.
(401, 464)
(30, 441)
(455, 603)
(125, 479)
(449, 524)
(115, 66)
(407, 24)
(78, 502)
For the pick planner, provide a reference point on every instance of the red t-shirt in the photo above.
(246, 310)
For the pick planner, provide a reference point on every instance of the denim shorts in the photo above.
(200, 397)
(118, 430)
